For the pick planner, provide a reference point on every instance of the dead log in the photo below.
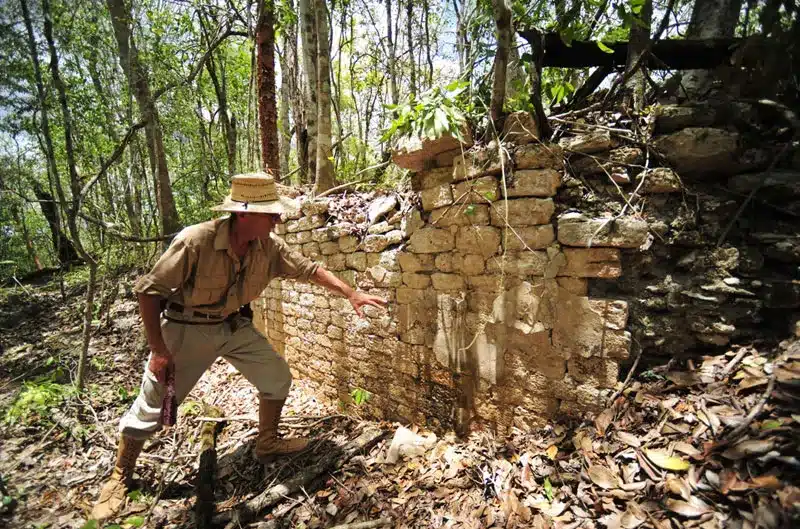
(207, 469)
(332, 460)
(671, 54)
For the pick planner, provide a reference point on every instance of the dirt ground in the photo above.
(710, 444)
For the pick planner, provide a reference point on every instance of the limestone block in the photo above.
(592, 262)
(576, 230)
(328, 248)
(409, 295)
(479, 162)
(414, 336)
(469, 265)
(311, 250)
(533, 183)
(574, 285)
(480, 240)
(660, 180)
(485, 283)
(322, 340)
(487, 349)
(301, 237)
(417, 154)
(335, 262)
(444, 263)
(316, 207)
(411, 222)
(697, 150)
(432, 177)
(395, 237)
(431, 240)
(383, 277)
(381, 206)
(418, 314)
(348, 276)
(322, 234)
(588, 143)
(613, 311)
(597, 372)
(460, 215)
(539, 156)
(321, 302)
(674, 117)
(528, 237)
(380, 228)
(448, 345)
(532, 352)
(375, 243)
(280, 229)
(607, 162)
(519, 263)
(305, 223)
(522, 211)
(357, 261)
(416, 280)
(520, 128)
(436, 197)
(303, 324)
(477, 190)
(410, 262)
(447, 281)
(348, 244)
(584, 331)
(387, 259)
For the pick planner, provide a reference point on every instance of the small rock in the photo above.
(380, 207)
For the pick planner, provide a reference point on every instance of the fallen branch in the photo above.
(207, 471)
(332, 460)
(365, 525)
(627, 378)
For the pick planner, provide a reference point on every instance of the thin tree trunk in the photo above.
(137, 79)
(308, 33)
(267, 105)
(502, 14)
(710, 19)
(18, 214)
(410, 38)
(395, 92)
(638, 44)
(426, 9)
(324, 180)
(283, 117)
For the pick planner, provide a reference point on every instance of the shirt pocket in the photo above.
(209, 290)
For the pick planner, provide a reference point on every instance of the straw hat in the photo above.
(255, 193)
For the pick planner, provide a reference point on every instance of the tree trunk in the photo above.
(425, 10)
(636, 67)
(18, 214)
(324, 179)
(515, 73)
(308, 34)
(710, 19)
(267, 105)
(395, 91)
(409, 36)
(136, 75)
(283, 117)
(65, 251)
(502, 17)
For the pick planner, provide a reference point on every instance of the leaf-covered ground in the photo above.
(709, 444)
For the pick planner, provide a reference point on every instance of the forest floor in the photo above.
(709, 444)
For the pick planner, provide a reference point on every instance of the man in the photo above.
(207, 274)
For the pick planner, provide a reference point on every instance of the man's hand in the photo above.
(359, 299)
(158, 365)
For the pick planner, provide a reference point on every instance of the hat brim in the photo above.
(275, 207)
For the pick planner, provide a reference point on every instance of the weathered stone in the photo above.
(301, 237)
(660, 180)
(436, 197)
(305, 223)
(588, 143)
(460, 215)
(596, 372)
(486, 283)
(444, 263)
(574, 285)
(447, 281)
(387, 259)
(410, 262)
(381, 206)
(409, 295)
(522, 211)
(431, 240)
(582, 330)
(395, 237)
(311, 250)
(432, 178)
(322, 235)
(411, 222)
(329, 248)
(670, 118)
(417, 154)
(529, 352)
(592, 262)
(414, 336)
(448, 345)
(416, 280)
(469, 265)
(477, 190)
(280, 228)
(539, 156)
(520, 128)
(316, 207)
(576, 230)
(533, 183)
(357, 261)
(776, 185)
(519, 263)
(348, 244)
(380, 228)
(481, 240)
(348, 276)
(528, 237)
(383, 277)
(701, 150)
(375, 243)
(479, 162)
(607, 162)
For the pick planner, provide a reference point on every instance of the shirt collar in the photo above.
(222, 240)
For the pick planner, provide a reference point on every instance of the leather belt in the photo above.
(192, 315)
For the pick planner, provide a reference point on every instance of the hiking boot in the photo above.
(268, 444)
(112, 496)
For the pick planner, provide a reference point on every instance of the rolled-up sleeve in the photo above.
(291, 265)
(171, 271)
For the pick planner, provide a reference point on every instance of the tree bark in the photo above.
(395, 91)
(65, 251)
(308, 35)
(136, 75)
(283, 110)
(267, 105)
(426, 9)
(636, 67)
(711, 19)
(502, 14)
(324, 179)
(410, 38)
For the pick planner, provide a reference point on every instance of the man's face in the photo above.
(253, 226)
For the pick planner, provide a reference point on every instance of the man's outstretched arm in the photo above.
(357, 299)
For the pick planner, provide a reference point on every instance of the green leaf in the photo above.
(135, 495)
(548, 489)
(769, 425)
(90, 524)
(604, 48)
(134, 521)
(7, 500)
(470, 210)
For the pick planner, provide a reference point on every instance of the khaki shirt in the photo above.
(200, 270)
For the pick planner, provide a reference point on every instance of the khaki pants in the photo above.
(195, 348)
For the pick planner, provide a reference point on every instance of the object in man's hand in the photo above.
(169, 407)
